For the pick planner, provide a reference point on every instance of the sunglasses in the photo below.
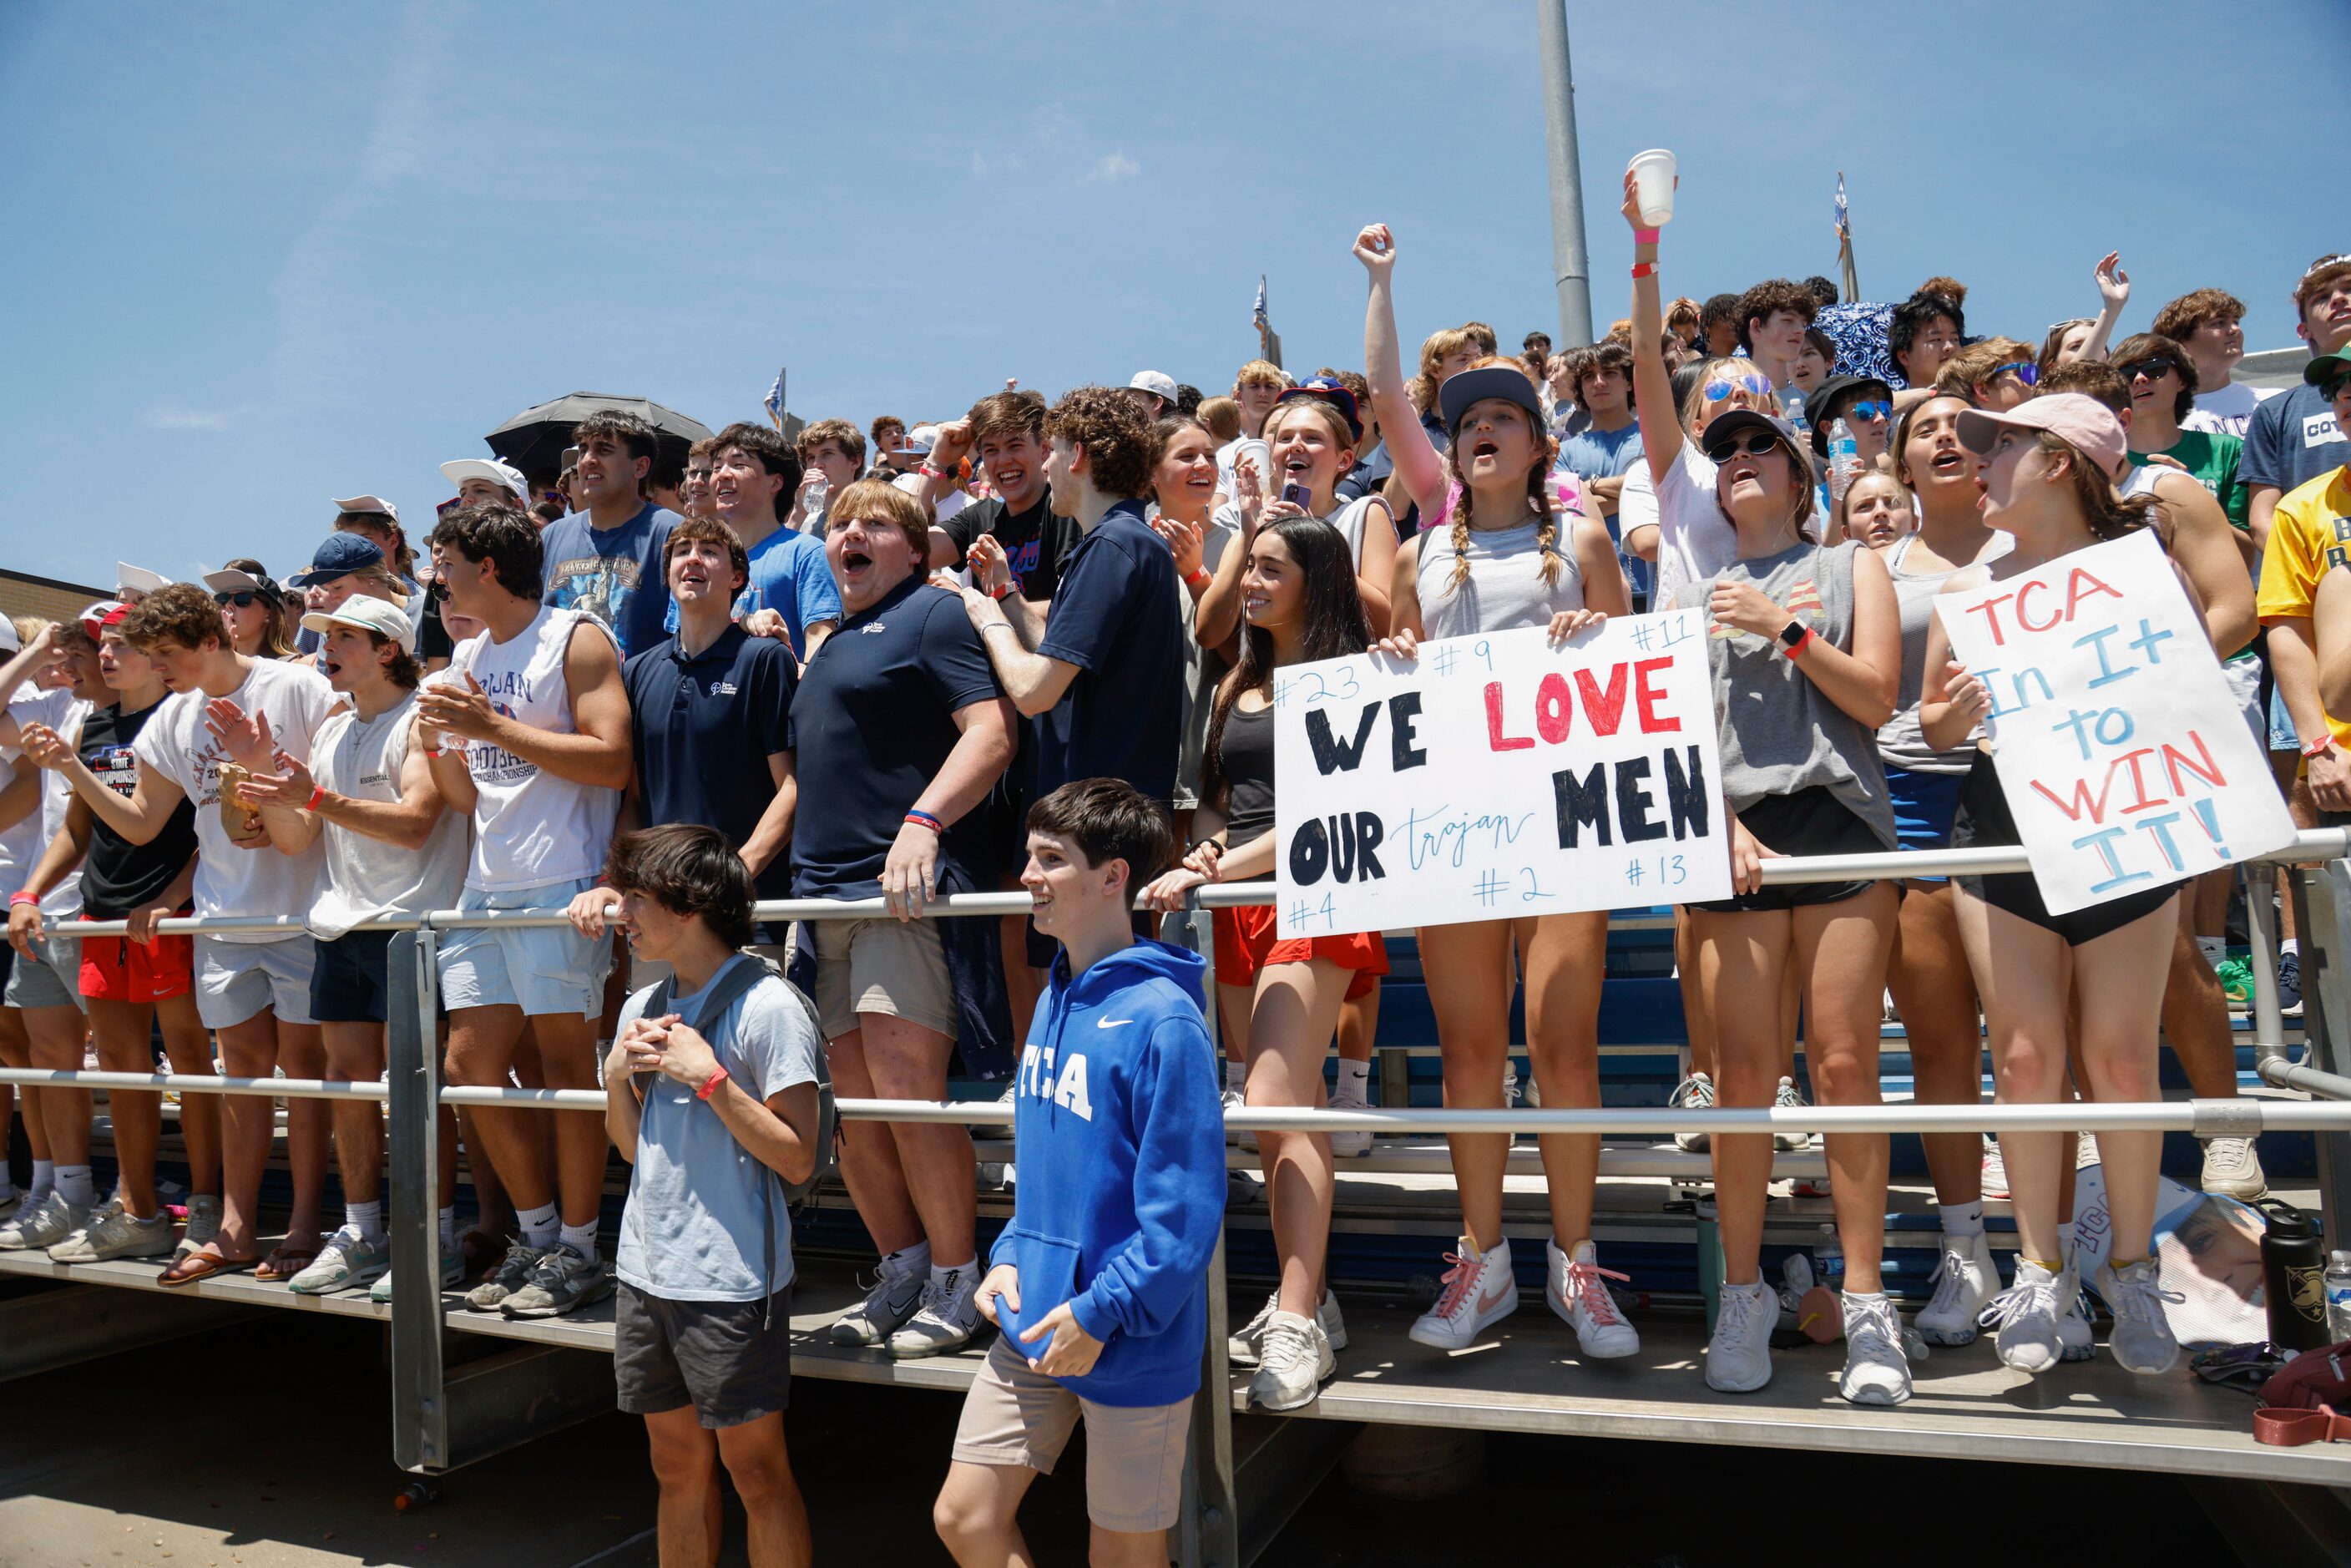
(1869, 408)
(2331, 390)
(1716, 390)
(1751, 444)
(244, 598)
(2025, 371)
(2153, 370)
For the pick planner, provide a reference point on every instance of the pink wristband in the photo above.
(1645, 236)
(16, 898)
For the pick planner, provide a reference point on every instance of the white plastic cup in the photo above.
(1653, 186)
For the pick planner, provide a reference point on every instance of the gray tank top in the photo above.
(1505, 589)
(1780, 734)
(1900, 743)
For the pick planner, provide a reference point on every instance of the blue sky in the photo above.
(265, 255)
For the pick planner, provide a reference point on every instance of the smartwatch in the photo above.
(1792, 635)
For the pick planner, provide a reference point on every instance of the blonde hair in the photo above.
(1435, 350)
(1730, 368)
(1537, 493)
(1261, 373)
(1976, 361)
(1222, 415)
(879, 501)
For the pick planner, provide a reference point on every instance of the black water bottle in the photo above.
(2293, 1274)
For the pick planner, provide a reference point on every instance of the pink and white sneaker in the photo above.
(1479, 1291)
(1576, 1287)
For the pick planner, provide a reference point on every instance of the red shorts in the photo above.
(117, 969)
(1245, 943)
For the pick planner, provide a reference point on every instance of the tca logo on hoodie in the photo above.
(1066, 1088)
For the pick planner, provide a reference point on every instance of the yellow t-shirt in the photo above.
(2309, 533)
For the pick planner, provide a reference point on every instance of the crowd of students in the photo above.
(1036, 646)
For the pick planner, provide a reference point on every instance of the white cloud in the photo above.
(176, 416)
(1110, 167)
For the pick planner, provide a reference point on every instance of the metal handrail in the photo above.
(2317, 844)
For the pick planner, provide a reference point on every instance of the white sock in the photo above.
(580, 1238)
(915, 1260)
(75, 1183)
(1236, 1075)
(939, 1275)
(539, 1225)
(449, 1229)
(2214, 948)
(1962, 1218)
(367, 1218)
(45, 1179)
(1354, 1082)
(2289, 945)
(2065, 1239)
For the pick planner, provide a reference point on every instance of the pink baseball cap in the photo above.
(2082, 423)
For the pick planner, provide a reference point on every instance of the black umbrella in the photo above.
(534, 440)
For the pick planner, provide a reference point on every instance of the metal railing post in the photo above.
(1212, 1536)
(420, 1413)
(2323, 911)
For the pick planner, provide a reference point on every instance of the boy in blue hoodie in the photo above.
(1100, 1281)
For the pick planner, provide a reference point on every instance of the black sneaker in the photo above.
(2289, 977)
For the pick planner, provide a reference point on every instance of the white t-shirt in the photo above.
(1694, 541)
(368, 879)
(231, 879)
(22, 846)
(2228, 411)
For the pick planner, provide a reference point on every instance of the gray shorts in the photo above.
(732, 1361)
(51, 978)
(235, 980)
(542, 969)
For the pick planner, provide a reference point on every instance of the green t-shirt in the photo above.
(2211, 460)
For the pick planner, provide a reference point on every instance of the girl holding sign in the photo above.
(2048, 481)
(1496, 565)
(1281, 998)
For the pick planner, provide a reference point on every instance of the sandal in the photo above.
(283, 1263)
(197, 1266)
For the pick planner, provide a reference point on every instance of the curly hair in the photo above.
(1116, 437)
(179, 613)
(497, 533)
(2180, 320)
(1768, 298)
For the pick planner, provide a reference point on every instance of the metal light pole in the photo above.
(1573, 268)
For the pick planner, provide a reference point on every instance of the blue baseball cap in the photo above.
(340, 556)
(1475, 385)
(1330, 389)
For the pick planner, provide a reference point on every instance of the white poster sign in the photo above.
(1499, 777)
(2124, 757)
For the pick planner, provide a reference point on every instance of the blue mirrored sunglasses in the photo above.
(1716, 390)
(2025, 371)
(1869, 408)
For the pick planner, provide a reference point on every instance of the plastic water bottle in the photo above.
(1828, 1259)
(817, 494)
(2338, 1297)
(1844, 459)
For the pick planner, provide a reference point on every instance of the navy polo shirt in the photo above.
(702, 729)
(873, 724)
(1117, 616)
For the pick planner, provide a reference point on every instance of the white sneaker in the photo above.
(1739, 1354)
(112, 1233)
(897, 1291)
(2025, 1318)
(1576, 1287)
(2233, 1168)
(1349, 1145)
(1877, 1370)
(1995, 1170)
(1788, 1098)
(1964, 1281)
(998, 1173)
(1298, 1357)
(945, 1319)
(1695, 1092)
(42, 1228)
(2075, 1341)
(1479, 1291)
(1245, 1347)
(1233, 1100)
(2142, 1339)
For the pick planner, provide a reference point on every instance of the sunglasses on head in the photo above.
(2153, 370)
(1869, 408)
(1751, 444)
(244, 598)
(2025, 371)
(1716, 390)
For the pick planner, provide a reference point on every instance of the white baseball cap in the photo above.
(497, 473)
(138, 579)
(1158, 383)
(922, 438)
(367, 504)
(369, 613)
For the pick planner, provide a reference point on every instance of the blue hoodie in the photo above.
(1118, 1120)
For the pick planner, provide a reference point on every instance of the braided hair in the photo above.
(1538, 498)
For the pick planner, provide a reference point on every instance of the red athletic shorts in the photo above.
(117, 969)
(1245, 943)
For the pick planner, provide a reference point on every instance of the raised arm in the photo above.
(1653, 386)
(1416, 462)
(2114, 293)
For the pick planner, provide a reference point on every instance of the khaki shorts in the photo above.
(883, 966)
(1134, 1457)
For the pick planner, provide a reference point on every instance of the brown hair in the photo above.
(707, 531)
(880, 501)
(2091, 378)
(1591, 361)
(1108, 425)
(1950, 288)
(702, 452)
(775, 454)
(626, 428)
(2110, 515)
(1538, 494)
(1435, 350)
(1975, 363)
(1321, 408)
(1001, 416)
(403, 669)
(1108, 820)
(403, 554)
(178, 613)
(850, 440)
(1222, 416)
(1167, 427)
(882, 422)
(2051, 345)
(2180, 320)
(1901, 441)
(2155, 346)
(1681, 318)
(688, 870)
(1800, 482)
(1770, 298)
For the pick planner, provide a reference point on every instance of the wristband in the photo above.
(927, 472)
(996, 626)
(710, 1087)
(1645, 236)
(1796, 649)
(318, 793)
(16, 898)
(1199, 575)
(1644, 269)
(999, 592)
(927, 820)
(2319, 748)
